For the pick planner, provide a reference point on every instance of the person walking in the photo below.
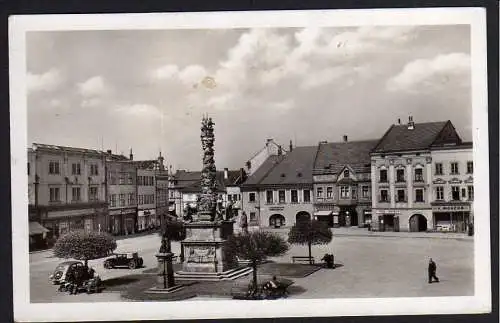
(432, 271)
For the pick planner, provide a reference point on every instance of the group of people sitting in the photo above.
(76, 279)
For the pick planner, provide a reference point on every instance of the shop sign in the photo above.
(67, 213)
(388, 212)
(276, 208)
(451, 208)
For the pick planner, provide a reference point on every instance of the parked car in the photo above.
(61, 272)
(128, 259)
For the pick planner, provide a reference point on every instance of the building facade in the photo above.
(67, 188)
(279, 192)
(342, 183)
(122, 196)
(146, 198)
(410, 195)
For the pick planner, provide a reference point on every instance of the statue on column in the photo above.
(208, 197)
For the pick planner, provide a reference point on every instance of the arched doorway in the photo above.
(348, 216)
(276, 221)
(302, 216)
(418, 223)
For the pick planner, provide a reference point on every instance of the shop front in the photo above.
(325, 217)
(451, 217)
(146, 219)
(123, 221)
(367, 218)
(387, 220)
(64, 221)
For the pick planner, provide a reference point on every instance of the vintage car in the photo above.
(127, 259)
(61, 272)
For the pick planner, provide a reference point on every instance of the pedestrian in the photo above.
(432, 271)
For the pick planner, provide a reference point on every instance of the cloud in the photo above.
(430, 74)
(94, 86)
(48, 81)
(166, 72)
(324, 77)
(139, 110)
(192, 74)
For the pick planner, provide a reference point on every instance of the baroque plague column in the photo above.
(205, 258)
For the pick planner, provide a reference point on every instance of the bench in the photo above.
(303, 259)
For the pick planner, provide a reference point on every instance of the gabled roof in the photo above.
(333, 157)
(295, 168)
(263, 170)
(421, 137)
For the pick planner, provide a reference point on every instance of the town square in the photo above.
(253, 165)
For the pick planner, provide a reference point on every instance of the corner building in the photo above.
(407, 191)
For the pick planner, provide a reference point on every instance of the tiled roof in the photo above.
(191, 181)
(144, 164)
(295, 168)
(400, 138)
(61, 149)
(263, 170)
(333, 157)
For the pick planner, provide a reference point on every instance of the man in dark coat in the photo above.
(432, 271)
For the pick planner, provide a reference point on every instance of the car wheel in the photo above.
(132, 265)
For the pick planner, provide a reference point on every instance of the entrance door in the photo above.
(418, 223)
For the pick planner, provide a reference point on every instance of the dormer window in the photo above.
(346, 173)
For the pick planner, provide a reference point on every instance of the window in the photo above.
(295, 196)
(28, 168)
(354, 192)
(439, 168)
(419, 175)
(54, 194)
(464, 193)
(140, 182)
(93, 193)
(319, 192)
(130, 179)
(94, 170)
(131, 199)
(329, 192)
(384, 196)
(419, 195)
(76, 194)
(307, 196)
(281, 196)
(470, 192)
(54, 167)
(140, 199)
(400, 196)
(122, 199)
(439, 193)
(400, 175)
(365, 191)
(454, 168)
(346, 173)
(470, 167)
(253, 217)
(121, 180)
(455, 193)
(344, 192)
(251, 197)
(383, 175)
(75, 169)
(269, 197)
(112, 200)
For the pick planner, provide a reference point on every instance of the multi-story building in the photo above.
(419, 179)
(67, 187)
(278, 193)
(146, 194)
(342, 183)
(122, 196)
(271, 148)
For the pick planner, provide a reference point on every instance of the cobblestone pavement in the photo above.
(371, 266)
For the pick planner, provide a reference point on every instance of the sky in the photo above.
(148, 89)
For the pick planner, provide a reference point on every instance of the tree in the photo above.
(256, 246)
(85, 246)
(310, 233)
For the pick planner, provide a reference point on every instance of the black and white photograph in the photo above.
(249, 164)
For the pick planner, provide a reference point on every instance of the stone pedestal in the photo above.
(204, 256)
(165, 277)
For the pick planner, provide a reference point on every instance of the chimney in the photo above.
(268, 141)
(291, 146)
(161, 167)
(109, 151)
(411, 124)
(280, 151)
(226, 171)
(345, 138)
(399, 121)
(242, 174)
(131, 155)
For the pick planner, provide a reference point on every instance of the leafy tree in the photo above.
(256, 246)
(85, 246)
(309, 233)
